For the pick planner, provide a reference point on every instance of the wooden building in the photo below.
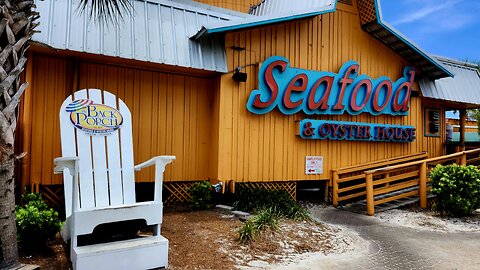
(187, 71)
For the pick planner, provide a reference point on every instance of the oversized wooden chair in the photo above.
(98, 174)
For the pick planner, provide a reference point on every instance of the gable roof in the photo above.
(463, 88)
(271, 12)
(157, 31)
(275, 11)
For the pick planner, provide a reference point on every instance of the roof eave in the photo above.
(203, 31)
(456, 62)
(259, 21)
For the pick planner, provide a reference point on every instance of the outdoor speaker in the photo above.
(240, 76)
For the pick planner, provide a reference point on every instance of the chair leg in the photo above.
(73, 243)
(156, 229)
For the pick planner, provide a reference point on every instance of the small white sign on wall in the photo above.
(313, 164)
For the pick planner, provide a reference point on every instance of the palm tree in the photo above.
(17, 24)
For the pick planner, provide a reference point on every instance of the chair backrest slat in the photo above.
(84, 151)
(67, 133)
(99, 158)
(113, 157)
(106, 168)
(126, 145)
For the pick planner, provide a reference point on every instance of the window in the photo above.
(432, 122)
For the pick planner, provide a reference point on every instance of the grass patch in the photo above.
(256, 200)
(268, 207)
(264, 219)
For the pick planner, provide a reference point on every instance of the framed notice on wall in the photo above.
(313, 164)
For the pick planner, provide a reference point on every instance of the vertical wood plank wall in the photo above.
(172, 115)
(264, 147)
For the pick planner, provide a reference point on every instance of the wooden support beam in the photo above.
(463, 119)
(335, 189)
(422, 189)
(370, 202)
(463, 159)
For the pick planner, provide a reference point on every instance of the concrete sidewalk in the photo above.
(384, 246)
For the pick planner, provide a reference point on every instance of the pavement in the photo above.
(379, 245)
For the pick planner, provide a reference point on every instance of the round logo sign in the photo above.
(94, 119)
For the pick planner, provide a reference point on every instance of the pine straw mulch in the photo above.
(208, 240)
(52, 257)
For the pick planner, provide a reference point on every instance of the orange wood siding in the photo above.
(172, 115)
(264, 147)
(471, 126)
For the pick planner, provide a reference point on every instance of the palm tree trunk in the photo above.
(8, 230)
(16, 29)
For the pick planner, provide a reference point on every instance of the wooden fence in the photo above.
(348, 183)
(391, 181)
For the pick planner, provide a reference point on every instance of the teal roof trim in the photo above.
(255, 21)
(269, 21)
(406, 40)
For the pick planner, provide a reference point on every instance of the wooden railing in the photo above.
(349, 182)
(391, 179)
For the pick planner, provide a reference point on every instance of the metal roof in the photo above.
(267, 7)
(463, 88)
(156, 31)
(272, 11)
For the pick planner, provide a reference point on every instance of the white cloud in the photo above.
(424, 12)
(445, 24)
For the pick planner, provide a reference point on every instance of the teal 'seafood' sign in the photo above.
(294, 90)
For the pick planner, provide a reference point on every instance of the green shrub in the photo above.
(36, 222)
(298, 213)
(247, 232)
(266, 218)
(457, 189)
(202, 195)
(268, 207)
(255, 200)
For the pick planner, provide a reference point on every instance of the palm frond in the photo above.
(106, 11)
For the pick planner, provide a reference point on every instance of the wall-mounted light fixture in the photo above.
(239, 76)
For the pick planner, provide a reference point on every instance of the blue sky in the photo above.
(448, 28)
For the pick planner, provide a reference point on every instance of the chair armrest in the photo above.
(165, 160)
(160, 163)
(62, 163)
(70, 163)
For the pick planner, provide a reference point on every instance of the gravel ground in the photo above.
(394, 245)
(427, 220)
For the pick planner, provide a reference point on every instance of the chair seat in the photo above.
(141, 253)
(85, 220)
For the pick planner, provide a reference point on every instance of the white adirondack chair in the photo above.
(99, 184)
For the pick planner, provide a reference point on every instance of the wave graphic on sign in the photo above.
(78, 105)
